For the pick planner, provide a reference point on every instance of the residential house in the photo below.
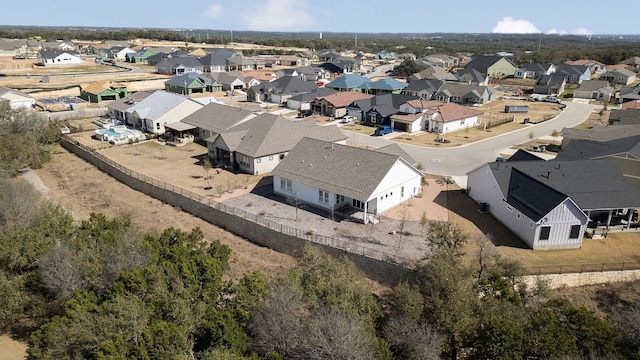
(411, 115)
(595, 67)
(441, 60)
(116, 53)
(424, 89)
(241, 63)
(492, 65)
(618, 143)
(464, 94)
(13, 47)
(280, 90)
(624, 117)
(159, 109)
(534, 70)
(348, 82)
(469, 76)
(103, 90)
(431, 72)
(340, 66)
(337, 178)
(575, 74)
(628, 94)
(622, 76)
(230, 80)
(633, 61)
(16, 99)
(335, 105)
(192, 83)
(159, 56)
(386, 55)
(435, 116)
(309, 73)
(594, 90)
(63, 45)
(213, 63)
(251, 81)
(303, 101)
(50, 57)
(117, 109)
(215, 118)
(377, 111)
(328, 55)
(549, 204)
(384, 86)
(550, 84)
(139, 57)
(257, 145)
(179, 66)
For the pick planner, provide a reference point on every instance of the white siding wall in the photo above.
(389, 192)
(265, 164)
(560, 220)
(303, 193)
(174, 115)
(458, 124)
(406, 108)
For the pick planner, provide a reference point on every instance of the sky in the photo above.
(355, 16)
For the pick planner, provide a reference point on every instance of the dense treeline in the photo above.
(525, 47)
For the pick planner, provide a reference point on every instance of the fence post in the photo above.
(581, 268)
(622, 269)
(561, 269)
(602, 269)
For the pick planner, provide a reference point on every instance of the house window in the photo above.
(281, 156)
(270, 157)
(323, 196)
(531, 224)
(544, 232)
(157, 126)
(339, 199)
(402, 192)
(462, 122)
(372, 119)
(357, 204)
(575, 232)
(286, 185)
(243, 160)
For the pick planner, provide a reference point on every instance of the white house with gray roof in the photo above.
(16, 99)
(337, 177)
(550, 204)
(257, 145)
(159, 109)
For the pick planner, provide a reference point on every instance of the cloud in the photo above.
(582, 31)
(509, 25)
(214, 11)
(578, 31)
(278, 15)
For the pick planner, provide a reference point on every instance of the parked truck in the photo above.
(383, 130)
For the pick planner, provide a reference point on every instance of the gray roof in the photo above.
(189, 78)
(157, 104)
(523, 155)
(484, 61)
(51, 54)
(127, 102)
(268, 134)
(385, 104)
(395, 149)
(6, 90)
(572, 70)
(217, 117)
(576, 147)
(310, 96)
(348, 81)
(594, 85)
(551, 80)
(341, 169)
(287, 85)
(536, 67)
(591, 184)
(461, 89)
(424, 85)
(468, 75)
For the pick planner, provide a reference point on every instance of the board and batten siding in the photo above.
(303, 193)
(560, 220)
(399, 184)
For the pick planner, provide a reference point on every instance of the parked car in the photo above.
(305, 113)
(553, 99)
(383, 130)
(3, 75)
(348, 119)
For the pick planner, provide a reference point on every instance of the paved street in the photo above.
(456, 161)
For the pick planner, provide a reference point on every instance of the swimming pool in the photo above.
(119, 134)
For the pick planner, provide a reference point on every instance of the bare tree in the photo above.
(403, 223)
(485, 253)
(206, 166)
(412, 340)
(60, 270)
(446, 237)
(18, 204)
(276, 326)
(295, 201)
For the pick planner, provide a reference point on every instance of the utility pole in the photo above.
(356, 41)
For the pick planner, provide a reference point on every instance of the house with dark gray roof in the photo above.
(303, 101)
(470, 76)
(343, 179)
(551, 204)
(621, 76)
(192, 83)
(340, 66)
(377, 111)
(534, 70)
(550, 84)
(624, 117)
(215, 118)
(575, 74)
(627, 94)
(280, 90)
(55, 57)
(465, 94)
(179, 65)
(423, 88)
(492, 65)
(229, 80)
(257, 145)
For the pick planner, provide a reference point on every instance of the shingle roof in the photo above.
(268, 134)
(591, 184)
(127, 102)
(188, 78)
(484, 61)
(593, 85)
(348, 81)
(6, 90)
(388, 84)
(341, 169)
(217, 117)
(315, 93)
(288, 85)
(452, 112)
(100, 86)
(424, 84)
(343, 98)
(395, 149)
(617, 139)
(157, 104)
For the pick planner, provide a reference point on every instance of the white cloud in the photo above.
(581, 31)
(509, 25)
(578, 31)
(279, 15)
(214, 11)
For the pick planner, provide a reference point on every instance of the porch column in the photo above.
(609, 219)
(629, 218)
(366, 216)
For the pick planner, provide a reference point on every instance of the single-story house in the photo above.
(423, 88)
(622, 76)
(192, 83)
(215, 118)
(627, 94)
(465, 94)
(435, 116)
(116, 53)
(431, 72)
(159, 109)
(550, 84)
(575, 74)
(139, 57)
(257, 145)
(179, 65)
(280, 90)
(303, 101)
(103, 90)
(470, 76)
(16, 99)
(335, 105)
(118, 109)
(550, 204)
(492, 65)
(594, 90)
(229, 80)
(348, 82)
(52, 57)
(377, 111)
(633, 62)
(534, 70)
(336, 177)
(385, 85)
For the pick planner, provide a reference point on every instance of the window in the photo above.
(281, 156)
(339, 199)
(531, 224)
(575, 231)
(544, 232)
(243, 160)
(157, 126)
(323, 196)
(286, 185)
(270, 157)
(402, 192)
(357, 204)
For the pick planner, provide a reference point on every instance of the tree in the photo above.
(19, 204)
(411, 340)
(407, 68)
(446, 237)
(206, 165)
(60, 270)
(295, 201)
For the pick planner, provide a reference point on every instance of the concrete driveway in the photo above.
(457, 161)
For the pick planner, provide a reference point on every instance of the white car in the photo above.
(348, 119)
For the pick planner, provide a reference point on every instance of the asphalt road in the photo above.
(457, 161)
